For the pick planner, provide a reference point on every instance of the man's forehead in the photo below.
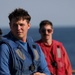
(47, 25)
(17, 19)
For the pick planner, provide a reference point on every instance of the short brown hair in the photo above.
(44, 22)
(19, 13)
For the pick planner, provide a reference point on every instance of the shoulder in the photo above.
(3, 40)
(4, 46)
(32, 43)
(57, 42)
(6, 42)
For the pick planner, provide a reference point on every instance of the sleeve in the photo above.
(67, 62)
(43, 63)
(4, 60)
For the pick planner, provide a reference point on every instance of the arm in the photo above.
(43, 64)
(4, 60)
(67, 62)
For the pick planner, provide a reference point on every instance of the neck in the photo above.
(23, 39)
(47, 42)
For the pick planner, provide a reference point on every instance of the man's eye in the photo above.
(21, 24)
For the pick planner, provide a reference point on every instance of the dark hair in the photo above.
(44, 22)
(18, 14)
(0, 32)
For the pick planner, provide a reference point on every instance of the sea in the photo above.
(66, 35)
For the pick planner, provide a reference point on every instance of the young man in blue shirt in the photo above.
(19, 55)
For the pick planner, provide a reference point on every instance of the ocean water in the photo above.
(64, 35)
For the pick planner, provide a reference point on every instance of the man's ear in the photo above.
(52, 31)
(29, 26)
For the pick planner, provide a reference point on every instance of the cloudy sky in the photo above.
(60, 12)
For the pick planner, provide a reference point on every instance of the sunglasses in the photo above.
(48, 30)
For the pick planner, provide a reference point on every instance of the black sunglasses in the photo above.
(44, 30)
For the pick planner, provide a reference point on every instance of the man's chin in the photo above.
(19, 37)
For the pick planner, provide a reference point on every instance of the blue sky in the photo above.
(60, 12)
